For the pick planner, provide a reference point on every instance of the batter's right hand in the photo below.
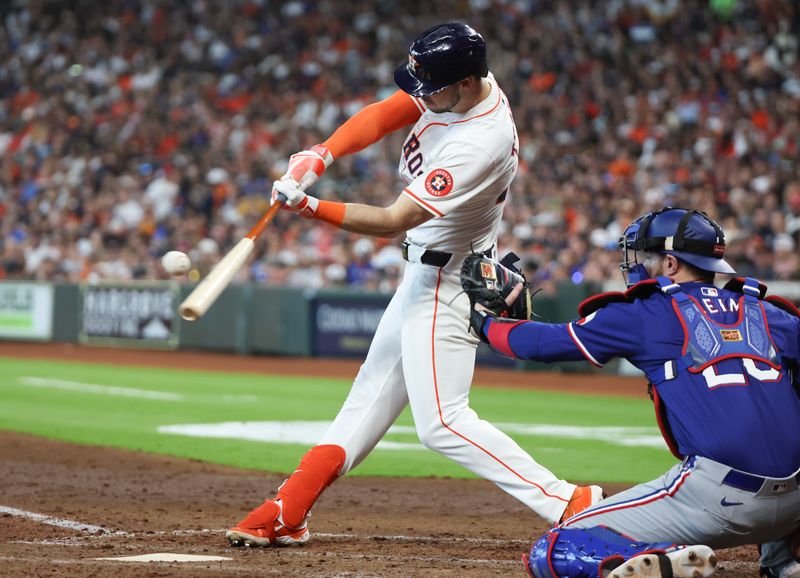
(306, 167)
(296, 198)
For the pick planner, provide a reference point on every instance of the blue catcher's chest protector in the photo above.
(707, 342)
(728, 393)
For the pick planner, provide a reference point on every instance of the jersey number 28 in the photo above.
(714, 379)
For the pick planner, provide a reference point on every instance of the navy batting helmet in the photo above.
(442, 56)
(691, 236)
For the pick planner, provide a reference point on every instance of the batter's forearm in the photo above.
(368, 220)
(390, 221)
(357, 218)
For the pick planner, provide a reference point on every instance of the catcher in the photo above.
(722, 366)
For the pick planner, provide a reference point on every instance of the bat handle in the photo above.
(282, 198)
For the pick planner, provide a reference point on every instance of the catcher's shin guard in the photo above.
(585, 553)
(317, 470)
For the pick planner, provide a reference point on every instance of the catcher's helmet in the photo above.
(691, 236)
(441, 56)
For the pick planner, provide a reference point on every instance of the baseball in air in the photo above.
(176, 263)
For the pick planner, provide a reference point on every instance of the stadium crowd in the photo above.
(132, 127)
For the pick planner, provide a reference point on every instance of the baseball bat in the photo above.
(204, 295)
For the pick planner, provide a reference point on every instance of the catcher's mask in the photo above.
(691, 236)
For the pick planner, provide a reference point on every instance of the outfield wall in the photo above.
(246, 319)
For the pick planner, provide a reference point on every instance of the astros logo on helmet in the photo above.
(413, 64)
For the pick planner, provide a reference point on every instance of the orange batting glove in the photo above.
(306, 167)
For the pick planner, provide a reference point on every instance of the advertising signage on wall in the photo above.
(343, 326)
(26, 310)
(130, 314)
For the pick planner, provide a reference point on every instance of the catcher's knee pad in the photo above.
(584, 553)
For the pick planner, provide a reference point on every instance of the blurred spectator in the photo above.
(360, 272)
(131, 128)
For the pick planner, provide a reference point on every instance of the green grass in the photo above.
(95, 418)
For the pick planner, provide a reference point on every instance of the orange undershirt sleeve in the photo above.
(373, 122)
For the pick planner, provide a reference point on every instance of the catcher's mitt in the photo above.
(488, 283)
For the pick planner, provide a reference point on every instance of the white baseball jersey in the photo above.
(459, 168)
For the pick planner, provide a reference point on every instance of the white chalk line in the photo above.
(230, 565)
(103, 534)
(81, 540)
(68, 542)
(99, 532)
(48, 383)
(82, 387)
(84, 540)
(59, 522)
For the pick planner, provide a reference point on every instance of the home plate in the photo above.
(166, 557)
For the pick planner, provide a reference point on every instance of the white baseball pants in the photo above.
(423, 354)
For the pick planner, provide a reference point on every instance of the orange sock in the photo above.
(317, 470)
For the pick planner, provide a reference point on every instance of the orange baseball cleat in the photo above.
(582, 498)
(264, 527)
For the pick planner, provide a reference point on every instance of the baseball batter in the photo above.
(723, 370)
(458, 163)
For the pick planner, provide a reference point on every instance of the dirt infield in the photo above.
(102, 502)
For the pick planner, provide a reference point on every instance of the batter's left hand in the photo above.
(296, 198)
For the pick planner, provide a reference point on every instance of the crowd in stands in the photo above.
(132, 127)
